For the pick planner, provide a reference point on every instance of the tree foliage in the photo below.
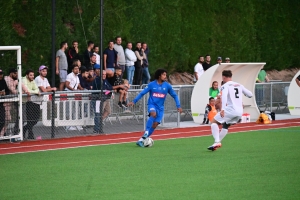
(177, 31)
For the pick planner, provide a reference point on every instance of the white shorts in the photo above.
(230, 116)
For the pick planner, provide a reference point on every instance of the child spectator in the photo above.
(210, 111)
(126, 84)
(117, 80)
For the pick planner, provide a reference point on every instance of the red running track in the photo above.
(95, 140)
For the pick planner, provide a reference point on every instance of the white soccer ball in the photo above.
(148, 142)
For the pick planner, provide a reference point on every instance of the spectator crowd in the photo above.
(132, 61)
(77, 72)
(82, 72)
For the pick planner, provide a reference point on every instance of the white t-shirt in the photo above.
(232, 96)
(130, 57)
(74, 81)
(39, 81)
(97, 58)
(199, 70)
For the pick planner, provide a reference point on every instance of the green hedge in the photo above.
(177, 31)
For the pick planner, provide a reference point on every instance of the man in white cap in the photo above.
(42, 82)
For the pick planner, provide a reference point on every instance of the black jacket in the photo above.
(3, 86)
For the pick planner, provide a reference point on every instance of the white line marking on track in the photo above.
(125, 138)
(155, 136)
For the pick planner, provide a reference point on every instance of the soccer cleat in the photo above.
(140, 143)
(215, 146)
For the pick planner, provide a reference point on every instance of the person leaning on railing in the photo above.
(72, 80)
(12, 83)
(104, 98)
(3, 91)
(42, 82)
(29, 87)
(96, 98)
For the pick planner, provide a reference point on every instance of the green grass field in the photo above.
(250, 165)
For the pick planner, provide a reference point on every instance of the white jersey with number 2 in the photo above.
(232, 96)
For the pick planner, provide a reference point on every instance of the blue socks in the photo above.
(149, 123)
(149, 129)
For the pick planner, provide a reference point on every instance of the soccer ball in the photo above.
(148, 142)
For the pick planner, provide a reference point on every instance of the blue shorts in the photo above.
(159, 113)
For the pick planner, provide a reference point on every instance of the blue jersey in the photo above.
(158, 94)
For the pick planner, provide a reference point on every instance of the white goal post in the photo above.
(19, 98)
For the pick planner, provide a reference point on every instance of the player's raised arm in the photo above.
(140, 95)
(246, 92)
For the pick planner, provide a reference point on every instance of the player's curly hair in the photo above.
(158, 73)
(227, 73)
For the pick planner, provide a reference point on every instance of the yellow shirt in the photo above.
(29, 86)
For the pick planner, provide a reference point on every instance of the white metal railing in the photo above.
(272, 96)
(74, 108)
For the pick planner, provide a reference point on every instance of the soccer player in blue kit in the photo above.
(158, 91)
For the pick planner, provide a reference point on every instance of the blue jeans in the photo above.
(130, 73)
(146, 76)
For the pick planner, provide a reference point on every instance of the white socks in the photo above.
(223, 133)
(215, 132)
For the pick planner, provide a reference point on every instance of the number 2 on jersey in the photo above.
(236, 93)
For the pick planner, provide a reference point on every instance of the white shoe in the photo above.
(79, 128)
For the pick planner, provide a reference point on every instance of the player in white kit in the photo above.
(232, 108)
